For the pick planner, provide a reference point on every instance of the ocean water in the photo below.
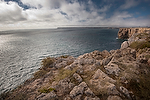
(21, 51)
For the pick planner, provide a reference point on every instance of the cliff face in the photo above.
(121, 74)
(125, 33)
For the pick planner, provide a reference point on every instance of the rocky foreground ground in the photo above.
(122, 74)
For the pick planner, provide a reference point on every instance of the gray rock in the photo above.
(114, 98)
(46, 96)
(78, 90)
(124, 45)
(89, 93)
(90, 98)
(106, 61)
(112, 69)
(125, 92)
(77, 77)
(102, 82)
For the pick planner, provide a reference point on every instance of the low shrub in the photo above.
(46, 62)
(46, 90)
(64, 56)
(63, 73)
(39, 74)
(140, 45)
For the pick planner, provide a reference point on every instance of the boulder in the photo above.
(103, 83)
(124, 45)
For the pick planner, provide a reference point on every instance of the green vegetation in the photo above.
(14, 96)
(142, 88)
(39, 73)
(64, 56)
(63, 73)
(140, 45)
(46, 62)
(46, 90)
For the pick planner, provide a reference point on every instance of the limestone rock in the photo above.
(106, 60)
(125, 33)
(89, 93)
(63, 87)
(125, 92)
(90, 98)
(124, 45)
(114, 98)
(112, 69)
(102, 82)
(77, 77)
(78, 90)
(46, 96)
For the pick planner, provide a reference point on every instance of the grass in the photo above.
(142, 88)
(47, 62)
(46, 90)
(64, 56)
(63, 73)
(15, 96)
(39, 73)
(140, 45)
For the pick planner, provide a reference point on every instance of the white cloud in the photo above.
(129, 3)
(55, 13)
(10, 12)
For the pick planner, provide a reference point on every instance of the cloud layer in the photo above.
(56, 13)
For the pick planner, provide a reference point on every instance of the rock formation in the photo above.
(125, 33)
(121, 74)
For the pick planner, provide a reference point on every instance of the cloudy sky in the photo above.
(25, 14)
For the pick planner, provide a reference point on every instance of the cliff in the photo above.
(121, 74)
(125, 33)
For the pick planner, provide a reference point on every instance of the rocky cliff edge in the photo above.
(122, 74)
(125, 33)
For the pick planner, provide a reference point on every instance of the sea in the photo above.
(21, 51)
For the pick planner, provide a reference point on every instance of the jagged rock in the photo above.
(124, 45)
(125, 33)
(114, 98)
(125, 92)
(90, 98)
(105, 53)
(112, 69)
(78, 97)
(77, 77)
(62, 62)
(86, 61)
(47, 96)
(63, 87)
(102, 82)
(102, 76)
(78, 90)
(106, 60)
(89, 93)
(148, 61)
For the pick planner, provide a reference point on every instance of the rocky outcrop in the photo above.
(125, 33)
(121, 74)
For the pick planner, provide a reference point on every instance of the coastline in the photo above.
(96, 75)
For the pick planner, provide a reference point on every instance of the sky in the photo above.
(38, 14)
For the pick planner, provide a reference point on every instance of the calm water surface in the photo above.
(21, 51)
